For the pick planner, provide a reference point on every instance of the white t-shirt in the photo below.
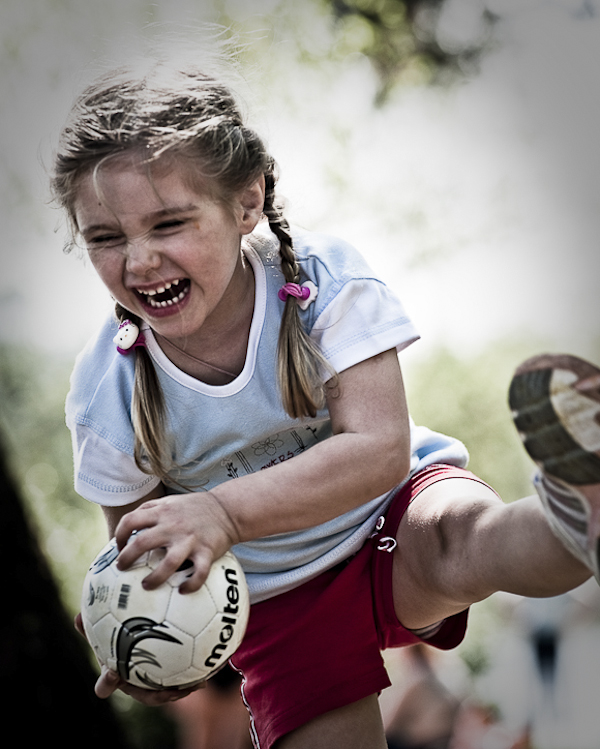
(217, 433)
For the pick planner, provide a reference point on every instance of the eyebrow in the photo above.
(153, 217)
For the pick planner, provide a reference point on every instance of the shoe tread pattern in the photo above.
(545, 438)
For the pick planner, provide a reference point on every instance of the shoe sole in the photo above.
(559, 425)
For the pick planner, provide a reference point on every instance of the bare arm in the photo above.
(113, 515)
(367, 455)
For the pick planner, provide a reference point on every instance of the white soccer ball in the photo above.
(160, 638)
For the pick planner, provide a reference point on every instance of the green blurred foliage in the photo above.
(404, 41)
(32, 392)
(401, 39)
(467, 398)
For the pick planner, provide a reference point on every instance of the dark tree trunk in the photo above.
(47, 677)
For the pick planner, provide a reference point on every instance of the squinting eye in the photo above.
(98, 243)
(172, 224)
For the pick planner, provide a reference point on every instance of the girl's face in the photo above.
(166, 252)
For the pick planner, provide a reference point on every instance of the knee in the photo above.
(461, 527)
(462, 533)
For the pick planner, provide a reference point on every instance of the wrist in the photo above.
(229, 521)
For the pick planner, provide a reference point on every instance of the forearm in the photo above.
(368, 454)
(324, 482)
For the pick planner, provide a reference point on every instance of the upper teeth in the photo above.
(162, 289)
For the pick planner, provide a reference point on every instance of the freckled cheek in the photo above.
(106, 260)
(109, 272)
(102, 268)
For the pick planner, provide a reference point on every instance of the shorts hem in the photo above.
(364, 686)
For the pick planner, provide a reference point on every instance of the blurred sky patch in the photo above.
(478, 202)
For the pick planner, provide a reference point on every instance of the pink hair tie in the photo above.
(128, 337)
(293, 289)
(305, 294)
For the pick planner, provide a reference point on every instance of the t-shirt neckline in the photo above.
(256, 326)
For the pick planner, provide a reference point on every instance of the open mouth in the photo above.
(167, 295)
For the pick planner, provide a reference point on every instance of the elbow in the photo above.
(404, 469)
(395, 455)
(401, 469)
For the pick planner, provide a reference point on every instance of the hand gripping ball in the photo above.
(160, 639)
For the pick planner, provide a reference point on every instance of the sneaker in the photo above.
(555, 400)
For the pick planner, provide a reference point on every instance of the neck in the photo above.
(162, 340)
(217, 353)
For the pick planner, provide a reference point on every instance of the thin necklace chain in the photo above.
(199, 361)
(195, 358)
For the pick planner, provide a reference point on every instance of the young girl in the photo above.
(248, 395)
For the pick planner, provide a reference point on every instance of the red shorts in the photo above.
(318, 647)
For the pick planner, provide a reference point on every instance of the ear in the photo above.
(251, 201)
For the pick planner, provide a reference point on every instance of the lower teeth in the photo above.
(169, 302)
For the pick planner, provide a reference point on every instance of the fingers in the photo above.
(137, 520)
(185, 527)
(155, 698)
(137, 533)
(137, 545)
(109, 681)
(200, 570)
(175, 554)
(78, 623)
(174, 557)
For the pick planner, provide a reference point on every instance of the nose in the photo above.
(142, 257)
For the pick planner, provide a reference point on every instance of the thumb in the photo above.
(108, 682)
(78, 623)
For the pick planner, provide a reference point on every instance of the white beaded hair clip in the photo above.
(128, 337)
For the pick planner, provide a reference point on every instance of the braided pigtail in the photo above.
(184, 118)
(147, 409)
(299, 362)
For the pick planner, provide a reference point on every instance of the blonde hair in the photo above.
(187, 114)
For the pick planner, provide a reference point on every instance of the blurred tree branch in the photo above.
(401, 37)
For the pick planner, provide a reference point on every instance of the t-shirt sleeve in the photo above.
(364, 319)
(104, 474)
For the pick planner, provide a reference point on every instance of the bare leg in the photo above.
(355, 726)
(458, 543)
(211, 718)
